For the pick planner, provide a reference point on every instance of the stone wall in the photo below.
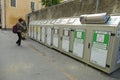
(76, 8)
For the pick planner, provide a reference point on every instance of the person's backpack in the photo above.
(14, 29)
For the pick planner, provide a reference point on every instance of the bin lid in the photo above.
(58, 21)
(61, 21)
(52, 21)
(37, 22)
(64, 21)
(48, 22)
(45, 21)
(73, 21)
(32, 22)
(99, 18)
(113, 20)
(68, 21)
(41, 22)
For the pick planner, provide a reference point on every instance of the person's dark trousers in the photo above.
(19, 38)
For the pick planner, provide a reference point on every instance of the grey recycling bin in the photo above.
(66, 39)
(35, 29)
(49, 33)
(96, 44)
(30, 29)
(55, 37)
(78, 42)
(43, 32)
(38, 31)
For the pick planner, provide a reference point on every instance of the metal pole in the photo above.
(3, 14)
(97, 4)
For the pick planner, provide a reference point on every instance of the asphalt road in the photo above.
(33, 61)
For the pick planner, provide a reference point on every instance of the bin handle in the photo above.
(88, 45)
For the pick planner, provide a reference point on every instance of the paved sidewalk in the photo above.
(33, 61)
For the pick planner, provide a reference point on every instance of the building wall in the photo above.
(22, 8)
(76, 8)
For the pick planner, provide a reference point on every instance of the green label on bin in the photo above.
(101, 39)
(79, 34)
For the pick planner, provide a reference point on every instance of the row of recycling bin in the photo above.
(97, 45)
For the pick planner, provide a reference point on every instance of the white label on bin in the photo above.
(43, 34)
(49, 36)
(100, 38)
(79, 34)
(66, 33)
(78, 47)
(56, 31)
(55, 40)
(99, 56)
(65, 43)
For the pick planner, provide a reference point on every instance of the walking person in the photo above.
(19, 30)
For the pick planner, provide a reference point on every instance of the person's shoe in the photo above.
(16, 42)
(20, 45)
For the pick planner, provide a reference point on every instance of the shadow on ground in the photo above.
(116, 74)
